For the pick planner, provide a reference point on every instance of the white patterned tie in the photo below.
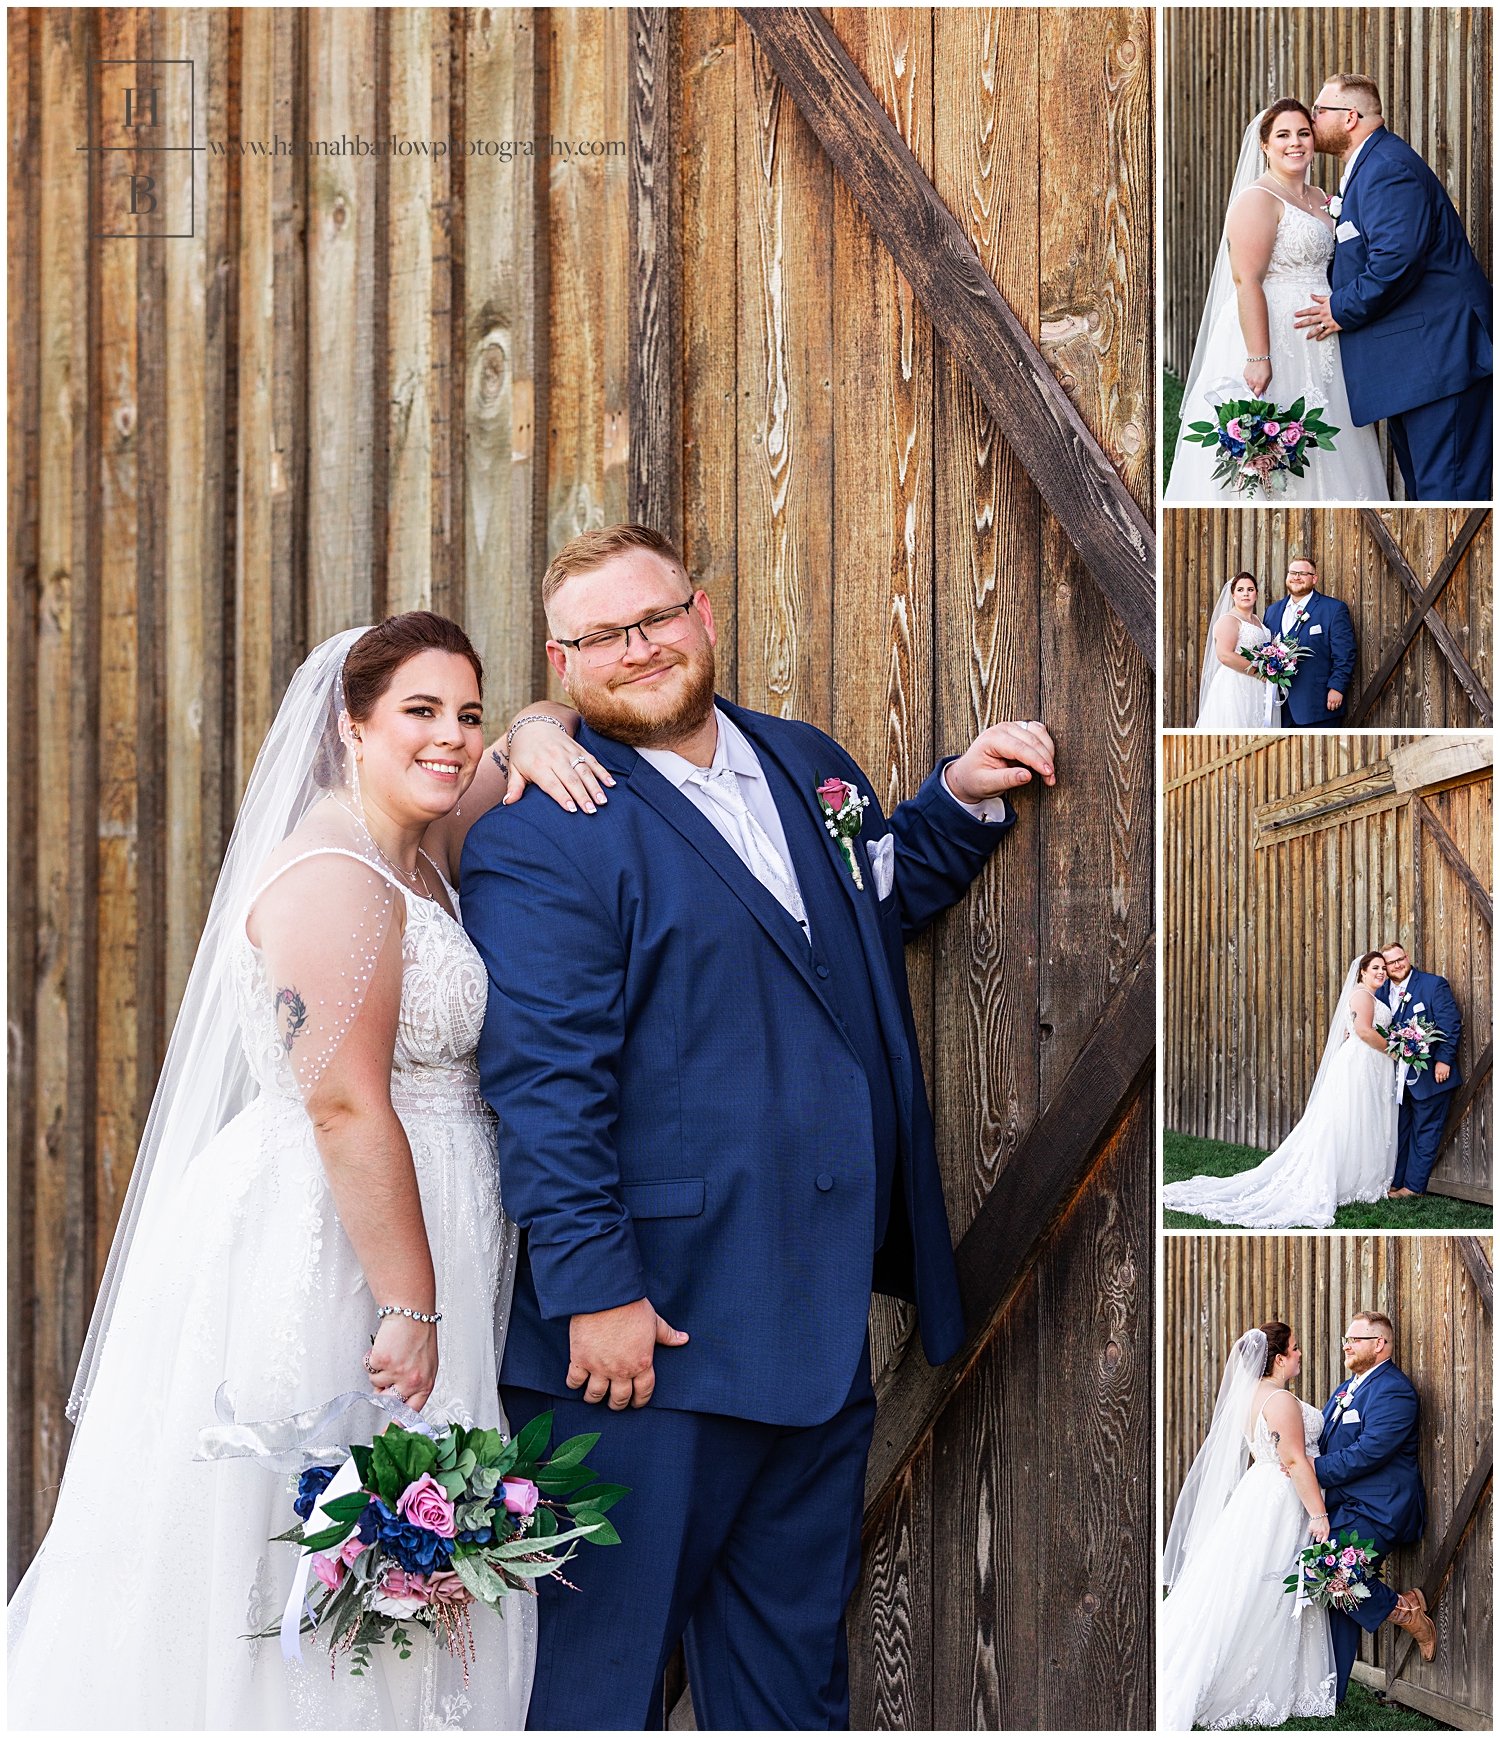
(756, 849)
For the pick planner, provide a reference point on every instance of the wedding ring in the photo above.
(575, 763)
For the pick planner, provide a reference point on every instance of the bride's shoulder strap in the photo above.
(1257, 187)
(322, 851)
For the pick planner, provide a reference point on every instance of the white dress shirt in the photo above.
(734, 751)
(1349, 166)
(1294, 608)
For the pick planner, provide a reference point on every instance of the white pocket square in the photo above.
(1417, 1007)
(883, 862)
(1317, 629)
(1345, 232)
(1350, 1417)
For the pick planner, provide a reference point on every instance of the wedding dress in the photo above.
(1233, 1649)
(1343, 1148)
(1231, 700)
(1300, 368)
(158, 1564)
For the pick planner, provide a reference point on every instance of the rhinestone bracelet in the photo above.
(533, 718)
(416, 1315)
(1248, 359)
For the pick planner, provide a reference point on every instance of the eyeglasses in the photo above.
(660, 628)
(1320, 110)
(1350, 1339)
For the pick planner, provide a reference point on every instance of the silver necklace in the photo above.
(413, 877)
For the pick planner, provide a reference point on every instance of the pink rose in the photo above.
(350, 1549)
(425, 1504)
(398, 1594)
(1272, 428)
(1350, 1557)
(1330, 1561)
(1233, 430)
(445, 1588)
(329, 1571)
(520, 1496)
(833, 791)
(1264, 463)
(1291, 434)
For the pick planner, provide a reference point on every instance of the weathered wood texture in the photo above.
(1223, 64)
(1214, 1288)
(1203, 549)
(1266, 909)
(407, 380)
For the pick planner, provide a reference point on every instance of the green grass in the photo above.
(1171, 419)
(1363, 1711)
(1193, 1156)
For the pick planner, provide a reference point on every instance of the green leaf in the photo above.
(560, 1483)
(453, 1483)
(605, 1534)
(518, 1548)
(347, 1508)
(467, 1461)
(571, 1452)
(485, 1446)
(1295, 413)
(361, 1455)
(505, 1460)
(480, 1579)
(400, 1459)
(326, 1536)
(543, 1524)
(532, 1441)
(1203, 427)
(600, 1497)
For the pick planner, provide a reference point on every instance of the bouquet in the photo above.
(1333, 1574)
(1412, 1042)
(416, 1529)
(1259, 444)
(1275, 661)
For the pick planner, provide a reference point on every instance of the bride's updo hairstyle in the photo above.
(1278, 1343)
(370, 666)
(1359, 976)
(1282, 106)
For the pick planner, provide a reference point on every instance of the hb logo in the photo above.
(141, 146)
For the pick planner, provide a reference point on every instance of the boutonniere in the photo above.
(843, 815)
(1336, 205)
(1340, 1403)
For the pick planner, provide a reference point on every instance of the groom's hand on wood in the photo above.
(1001, 758)
(611, 1352)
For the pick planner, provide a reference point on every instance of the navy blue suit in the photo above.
(1328, 632)
(698, 1107)
(1413, 305)
(1372, 1482)
(1424, 1102)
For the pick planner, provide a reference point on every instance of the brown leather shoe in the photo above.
(1418, 1625)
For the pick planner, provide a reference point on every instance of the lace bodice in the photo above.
(1251, 634)
(1264, 1449)
(443, 993)
(1303, 250)
(1382, 1017)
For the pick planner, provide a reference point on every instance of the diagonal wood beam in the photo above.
(1444, 841)
(1436, 1576)
(1465, 1095)
(1480, 1271)
(1478, 694)
(1037, 1186)
(1114, 539)
(1427, 601)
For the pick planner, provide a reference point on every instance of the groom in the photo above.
(1317, 695)
(701, 1049)
(1410, 299)
(1424, 1099)
(1371, 1482)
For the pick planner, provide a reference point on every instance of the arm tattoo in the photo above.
(296, 1015)
(500, 760)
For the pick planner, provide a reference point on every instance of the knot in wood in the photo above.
(340, 212)
(1113, 1352)
(491, 382)
(124, 421)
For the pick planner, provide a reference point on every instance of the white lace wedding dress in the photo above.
(1235, 701)
(1343, 1149)
(157, 1565)
(1300, 368)
(1232, 1647)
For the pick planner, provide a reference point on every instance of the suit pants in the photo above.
(1443, 448)
(740, 1539)
(1419, 1134)
(1372, 1611)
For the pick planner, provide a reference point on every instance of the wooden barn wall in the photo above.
(1214, 1288)
(1203, 549)
(1259, 936)
(1224, 64)
(402, 381)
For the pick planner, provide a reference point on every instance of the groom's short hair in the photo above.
(1376, 1320)
(591, 549)
(1297, 555)
(1365, 89)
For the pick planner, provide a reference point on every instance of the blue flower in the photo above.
(310, 1487)
(483, 1536)
(418, 1551)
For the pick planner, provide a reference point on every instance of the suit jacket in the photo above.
(1439, 1005)
(1331, 665)
(683, 1115)
(1368, 1469)
(1411, 298)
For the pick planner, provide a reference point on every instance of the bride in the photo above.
(1344, 1147)
(316, 1157)
(1274, 255)
(1229, 697)
(1234, 1647)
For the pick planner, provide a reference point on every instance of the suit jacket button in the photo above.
(825, 1182)
(822, 970)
